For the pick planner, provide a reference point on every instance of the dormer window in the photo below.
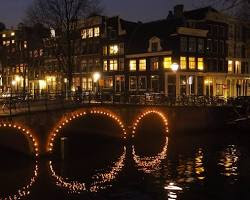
(154, 44)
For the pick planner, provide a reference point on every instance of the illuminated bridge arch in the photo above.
(146, 113)
(29, 135)
(80, 114)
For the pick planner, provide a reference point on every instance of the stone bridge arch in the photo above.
(145, 113)
(81, 113)
(28, 133)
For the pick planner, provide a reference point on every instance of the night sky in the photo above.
(12, 11)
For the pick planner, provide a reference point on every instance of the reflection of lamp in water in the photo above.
(24, 191)
(99, 179)
(150, 164)
(172, 191)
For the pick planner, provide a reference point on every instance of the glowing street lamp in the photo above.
(175, 67)
(96, 77)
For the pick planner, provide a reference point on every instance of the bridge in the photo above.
(42, 122)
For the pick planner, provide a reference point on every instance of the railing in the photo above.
(19, 103)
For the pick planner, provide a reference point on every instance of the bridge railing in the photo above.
(19, 102)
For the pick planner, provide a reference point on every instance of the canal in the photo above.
(98, 165)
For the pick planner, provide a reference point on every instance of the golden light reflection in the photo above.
(79, 114)
(99, 181)
(199, 166)
(152, 163)
(24, 191)
(25, 131)
(229, 161)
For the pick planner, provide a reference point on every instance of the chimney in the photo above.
(178, 10)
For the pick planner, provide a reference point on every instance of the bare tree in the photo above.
(62, 16)
(237, 8)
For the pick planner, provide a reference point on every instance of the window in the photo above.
(113, 49)
(108, 82)
(121, 48)
(142, 65)
(209, 45)
(183, 63)
(84, 84)
(84, 34)
(200, 64)
(155, 83)
(84, 66)
(4, 35)
(132, 83)
(25, 44)
(12, 34)
(90, 84)
(96, 31)
(201, 45)
(121, 64)
(183, 44)
(132, 65)
(230, 66)
(183, 85)
(167, 62)
(142, 83)
(154, 46)
(113, 65)
(215, 46)
(90, 32)
(192, 44)
(105, 50)
(237, 67)
(154, 64)
(12, 41)
(105, 65)
(191, 63)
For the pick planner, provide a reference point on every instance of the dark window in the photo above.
(201, 45)
(154, 46)
(192, 44)
(183, 44)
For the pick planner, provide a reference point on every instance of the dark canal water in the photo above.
(200, 165)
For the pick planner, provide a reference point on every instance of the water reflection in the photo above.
(199, 165)
(172, 191)
(229, 160)
(149, 164)
(25, 190)
(101, 180)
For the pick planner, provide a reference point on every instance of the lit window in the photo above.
(12, 34)
(53, 33)
(84, 33)
(113, 65)
(105, 65)
(90, 84)
(132, 65)
(183, 63)
(84, 84)
(167, 62)
(105, 50)
(4, 42)
(142, 65)
(90, 32)
(154, 64)
(200, 64)
(237, 67)
(12, 41)
(230, 66)
(191, 63)
(113, 49)
(108, 82)
(96, 31)
(132, 83)
(4, 35)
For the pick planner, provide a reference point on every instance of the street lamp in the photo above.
(175, 67)
(96, 77)
(66, 87)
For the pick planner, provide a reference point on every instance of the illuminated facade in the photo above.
(210, 52)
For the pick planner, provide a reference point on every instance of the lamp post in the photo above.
(96, 78)
(175, 68)
(66, 87)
